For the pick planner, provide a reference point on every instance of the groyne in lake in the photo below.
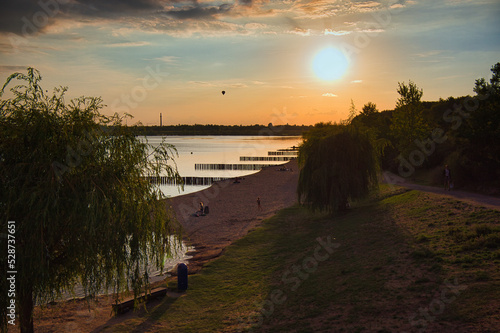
(266, 158)
(219, 166)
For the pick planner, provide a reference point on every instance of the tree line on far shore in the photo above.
(416, 139)
(211, 129)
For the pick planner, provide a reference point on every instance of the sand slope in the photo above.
(233, 210)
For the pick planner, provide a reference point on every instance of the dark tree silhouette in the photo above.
(72, 180)
(338, 163)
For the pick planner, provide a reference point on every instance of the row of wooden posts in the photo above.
(280, 155)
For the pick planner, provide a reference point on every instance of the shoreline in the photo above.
(233, 210)
(233, 213)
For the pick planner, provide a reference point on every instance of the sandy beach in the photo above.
(233, 210)
(233, 213)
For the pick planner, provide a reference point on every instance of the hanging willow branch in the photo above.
(338, 164)
(73, 180)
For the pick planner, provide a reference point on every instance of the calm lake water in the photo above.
(209, 150)
(220, 150)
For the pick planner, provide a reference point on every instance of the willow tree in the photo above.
(73, 183)
(338, 163)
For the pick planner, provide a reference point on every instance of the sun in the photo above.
(330, 64)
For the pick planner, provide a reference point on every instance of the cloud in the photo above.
(336, 33)
(183, 18)
(28, 17)
(218, 84)
(357, 81)
(128, 44)
(203, 83)
(168, 59)
(247, 3)
(300, 32)
(198, 12)
(238, 85)
(429, 53)
(256, 26)
(329, 95)
(31, 17)
(10, 69)
(372, 31)
(24, 17)
(366, 6)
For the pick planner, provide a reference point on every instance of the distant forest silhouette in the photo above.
(257, 130)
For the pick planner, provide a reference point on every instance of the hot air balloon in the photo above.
(223, 92)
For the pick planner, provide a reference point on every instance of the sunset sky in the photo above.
(175, 57)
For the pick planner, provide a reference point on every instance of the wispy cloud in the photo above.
(367, 5)
(128, 44)
(429, 53)
(168, 59)
(218, 84)
(337, 33)
(300, 32)
(238, 85)
(203, 83)
(9, 69)
(329, 95)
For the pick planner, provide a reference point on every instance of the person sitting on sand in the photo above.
(202, 208)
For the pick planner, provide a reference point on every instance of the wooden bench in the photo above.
(128, 304)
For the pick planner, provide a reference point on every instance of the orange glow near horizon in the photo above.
(285, 62)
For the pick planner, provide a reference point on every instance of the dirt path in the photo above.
(470, 197)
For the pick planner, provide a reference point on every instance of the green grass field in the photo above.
(402, 261)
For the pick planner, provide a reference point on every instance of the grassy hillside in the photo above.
(404, 261)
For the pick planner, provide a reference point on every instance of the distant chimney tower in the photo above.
(160, 121)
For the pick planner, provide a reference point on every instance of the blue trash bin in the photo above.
(182, 277)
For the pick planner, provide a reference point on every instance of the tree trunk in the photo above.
(26, 309)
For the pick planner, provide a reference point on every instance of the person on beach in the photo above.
(258, 203)
(202, 208)
(447, 178)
